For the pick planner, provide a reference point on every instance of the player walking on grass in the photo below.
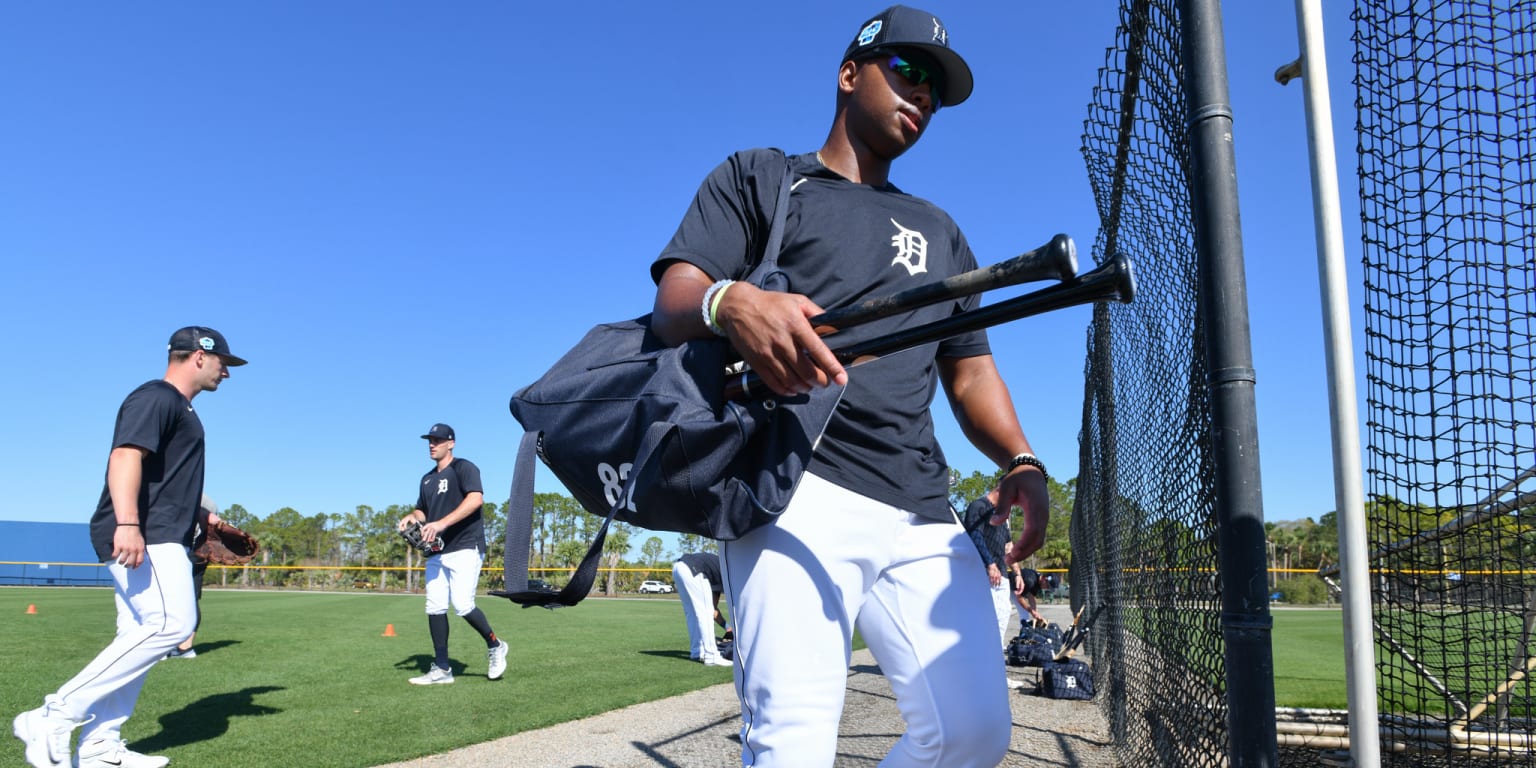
(697, 576)
(869, 541)
(448, 504)
(142, 530)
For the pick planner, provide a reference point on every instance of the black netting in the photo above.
(1447, 112)
(1143, 535)
(1447, 147)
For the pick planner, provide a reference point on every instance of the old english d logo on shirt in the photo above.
(911, 249)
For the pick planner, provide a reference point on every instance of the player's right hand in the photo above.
(771, 331)
(405, 522)
(128, 546)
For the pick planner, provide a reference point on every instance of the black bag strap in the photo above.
(520, 507)
(767, 274)
(520, 517)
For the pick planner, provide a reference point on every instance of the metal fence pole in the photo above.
(1239, 512)
(1349, 500)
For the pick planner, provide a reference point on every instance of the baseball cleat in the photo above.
(177, 653)
(497, 657)
(434, 676)
(715, 661)
(116, 754)
(47, 738)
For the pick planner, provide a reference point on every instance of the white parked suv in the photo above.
(654, 588)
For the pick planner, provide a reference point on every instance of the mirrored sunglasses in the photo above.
(915, 74)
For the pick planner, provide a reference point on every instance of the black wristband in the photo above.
(1027, 459)
(130, 525)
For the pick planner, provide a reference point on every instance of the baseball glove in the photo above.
(412, 535)
(227, 545)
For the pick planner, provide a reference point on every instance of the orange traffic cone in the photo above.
(389, 630)
(31, 608)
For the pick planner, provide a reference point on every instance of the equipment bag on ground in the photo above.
(1029, 651)
(1070, 679)
(641, 432)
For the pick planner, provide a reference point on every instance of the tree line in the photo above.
(329, 551)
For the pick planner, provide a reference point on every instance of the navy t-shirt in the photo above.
(157, 418)
(442, 491)
(705, 564)
(845, 243)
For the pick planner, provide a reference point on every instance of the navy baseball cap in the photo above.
(196, 337)
(439, 432)
(901, 27)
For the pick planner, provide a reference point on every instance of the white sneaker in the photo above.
(116, 754)
(47, 738)
(715, 661)
(434, 676)
(177, 653)
(497, 657)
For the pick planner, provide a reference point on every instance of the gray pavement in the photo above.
(699, 730)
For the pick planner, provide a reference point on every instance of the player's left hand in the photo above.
(1025, 489)
(429, 531)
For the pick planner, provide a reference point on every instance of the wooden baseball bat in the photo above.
(1056, 260)
(1113, 280)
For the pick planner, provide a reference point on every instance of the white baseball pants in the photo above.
(698, 610)
(916, 592)
(156, 611)
(1002, 602)
(453, 577)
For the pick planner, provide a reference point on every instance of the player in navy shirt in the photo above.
(868, 541)
(448, 504)
(142, 530)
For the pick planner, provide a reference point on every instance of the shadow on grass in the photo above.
(207, 718)
(421, 662)
(679, 655)
(216, 645)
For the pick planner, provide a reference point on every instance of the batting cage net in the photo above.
(1447, 150)
(1143, 533)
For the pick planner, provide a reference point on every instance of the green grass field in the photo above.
(1308, 648)
(301, 678)
(307, 679)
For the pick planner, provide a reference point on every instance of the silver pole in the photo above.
(1359, 647)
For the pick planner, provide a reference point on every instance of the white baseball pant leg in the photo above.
(1002, 602)
(452, 578)
(156, 611)
(698, 610)
(915, 590)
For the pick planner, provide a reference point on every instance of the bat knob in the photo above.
(1066, 250)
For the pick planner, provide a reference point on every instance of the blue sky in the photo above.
(401, 212)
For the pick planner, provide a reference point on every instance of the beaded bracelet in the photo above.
(707, 306)
(1029, 459)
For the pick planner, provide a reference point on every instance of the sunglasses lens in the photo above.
(913, 73)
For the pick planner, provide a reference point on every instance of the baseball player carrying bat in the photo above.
(868, 541)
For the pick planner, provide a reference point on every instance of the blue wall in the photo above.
(49, 554)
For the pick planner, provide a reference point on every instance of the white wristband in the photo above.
(704, 307)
